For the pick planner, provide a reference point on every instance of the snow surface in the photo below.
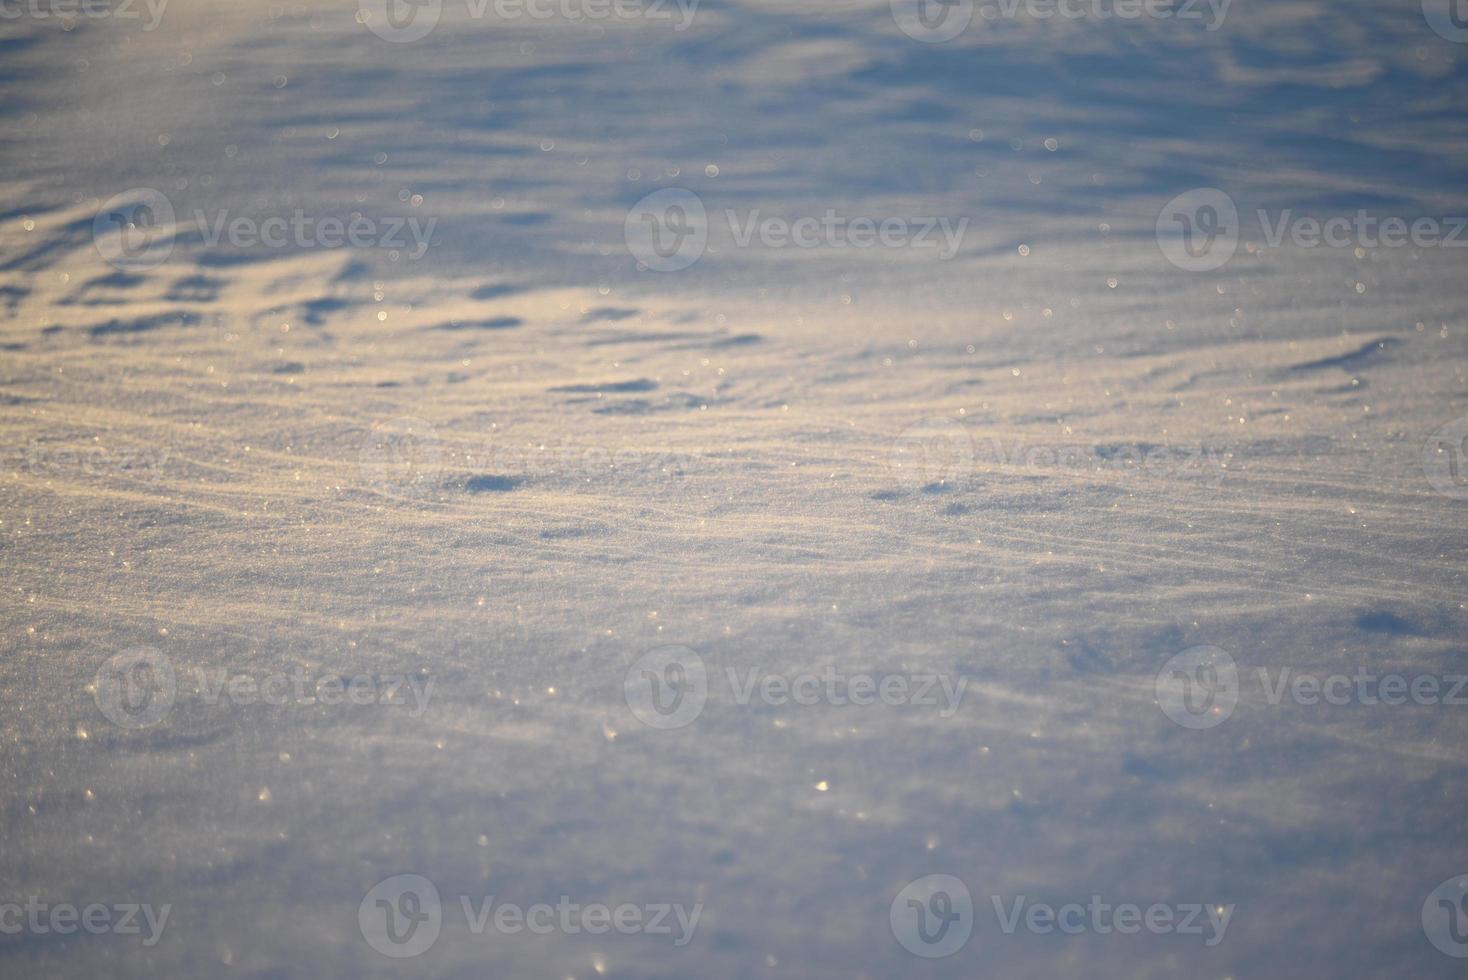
(517, 464)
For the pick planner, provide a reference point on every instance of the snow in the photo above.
(518, 464)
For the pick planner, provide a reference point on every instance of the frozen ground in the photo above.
(515, 465)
